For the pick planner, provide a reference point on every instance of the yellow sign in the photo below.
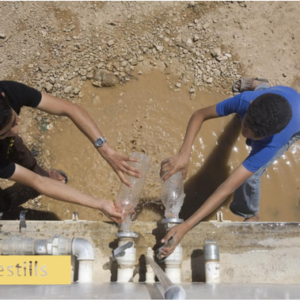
(36, 269)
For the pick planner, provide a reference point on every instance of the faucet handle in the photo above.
(22, 224)
(120, 251)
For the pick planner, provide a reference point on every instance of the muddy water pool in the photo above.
(149, 115)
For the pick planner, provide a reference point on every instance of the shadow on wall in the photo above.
(214, 171)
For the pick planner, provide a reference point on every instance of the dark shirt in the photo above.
(18, 95)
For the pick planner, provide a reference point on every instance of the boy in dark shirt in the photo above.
(18, 164)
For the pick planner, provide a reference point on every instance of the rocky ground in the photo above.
(57, 46)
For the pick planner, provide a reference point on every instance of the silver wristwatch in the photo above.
(99, 142)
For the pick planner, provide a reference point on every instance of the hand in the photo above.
(111, 211)
(174, 164)
(177, 232)
(118, 163)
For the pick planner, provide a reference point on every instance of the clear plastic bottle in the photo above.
(172, 195)
(128, 198)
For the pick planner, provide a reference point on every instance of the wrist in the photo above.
(104, 149)
(185, 151)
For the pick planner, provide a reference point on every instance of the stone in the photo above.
(44, 68)
(192, 90)
(159, 48)
(209, 80)
(48, 87)
(110, 43)
(83, 72)
(178, 85)
(216, 52)
(140, 58)
(52, 80)
(140, 73)
(76, 91)
(106, 78)
(2, 36)
(196, 38)
(205, 26)
(90, 75)
(124, 63)
(189, 43)
(68, 89)
(284, 74)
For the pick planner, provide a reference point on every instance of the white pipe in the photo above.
(79, 247)
(126, 262)
(173, 265)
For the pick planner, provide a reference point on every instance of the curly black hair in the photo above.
(5, 112)
(268, 114)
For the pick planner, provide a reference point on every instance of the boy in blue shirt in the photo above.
(270, 123)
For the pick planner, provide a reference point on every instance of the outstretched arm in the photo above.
(237, 177)
(180, 162)
(87, 126)
(57, 190)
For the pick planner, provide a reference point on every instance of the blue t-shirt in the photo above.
(264, 150)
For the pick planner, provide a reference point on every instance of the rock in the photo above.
(140, 58)
(83, 72)
(90, 75)
(192, 90)
(52, 80)
(209, 80)
(2, 36)
(284, 74)
(110, 43)
(48, 87)
(106, 78)
(228, 55)
(178, 84)
(44, 68)
(205, 26)
(221, 58)
(216, 52)
(124, 63)
(76, 91)
(159, 48)
(140, 73)
(189, 43)
(68, 90)
(196, 38)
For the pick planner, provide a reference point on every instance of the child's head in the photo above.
(267, 115)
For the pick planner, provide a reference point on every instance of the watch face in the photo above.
(99, 142)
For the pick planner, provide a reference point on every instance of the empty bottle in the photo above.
(172, 195)
(129, 197)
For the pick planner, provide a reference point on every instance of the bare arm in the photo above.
(87, 126)
(57, 190)
(180, 162)
(237, 177)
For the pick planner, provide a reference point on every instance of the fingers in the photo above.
(131, 171)
(131, 159)
(123, 179)
(171, 173)
(167, 236)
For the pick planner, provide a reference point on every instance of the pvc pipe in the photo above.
(85, 273)
(171, 291)
(82, 249)
(79, 247)
(126, 262)
(173, 265)
(212, 262)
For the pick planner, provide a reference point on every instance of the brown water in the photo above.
(147, 115)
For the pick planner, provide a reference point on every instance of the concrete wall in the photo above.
(250, 252)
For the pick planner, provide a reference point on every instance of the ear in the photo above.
(3, 94)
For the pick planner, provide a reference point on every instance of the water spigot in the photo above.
(120, 251)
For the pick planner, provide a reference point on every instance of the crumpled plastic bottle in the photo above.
(128, 198)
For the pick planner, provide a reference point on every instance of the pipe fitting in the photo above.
(18, 245)
(212, 261)
(126, 262)
(82, 249)
(173, 265)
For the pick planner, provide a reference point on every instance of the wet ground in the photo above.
(149, 115)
